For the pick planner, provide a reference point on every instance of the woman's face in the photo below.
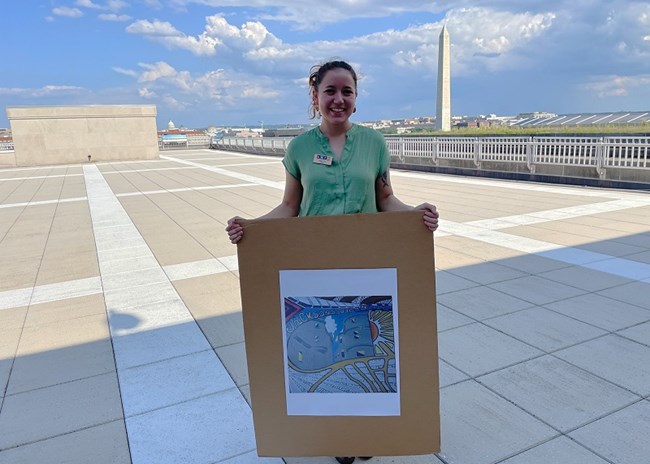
(336, 96)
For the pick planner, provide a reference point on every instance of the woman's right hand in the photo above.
(234, 229)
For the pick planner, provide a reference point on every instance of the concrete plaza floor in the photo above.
(121, 335)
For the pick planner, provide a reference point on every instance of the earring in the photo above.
(354, 110)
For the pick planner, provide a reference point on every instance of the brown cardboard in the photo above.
(361, 241)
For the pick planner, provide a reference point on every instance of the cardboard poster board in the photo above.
(341, 340)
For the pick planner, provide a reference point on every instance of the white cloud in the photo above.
(126, 72)
(114, 17)
(116, 5)
(42, 91)
(617, 86)
(258, 92)
(88, 4)
(218, 88)
(165, 33)
(155, 71)
(172, 102)
(218, 33)
(153, 29)
(111, 5)
(146, 93)
(310, 14)
(67, 12)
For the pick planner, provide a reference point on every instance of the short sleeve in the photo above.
(290, 162)
(384, 155)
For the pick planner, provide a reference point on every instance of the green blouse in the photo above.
(346, 186)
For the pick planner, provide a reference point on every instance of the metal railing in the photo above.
(269, 145)
(599, 153)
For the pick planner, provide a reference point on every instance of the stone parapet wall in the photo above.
(72, 134)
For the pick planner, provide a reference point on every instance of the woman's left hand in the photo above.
(430, 216)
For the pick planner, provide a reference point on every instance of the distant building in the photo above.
(284, 132)
(536, 115)
(173, 137)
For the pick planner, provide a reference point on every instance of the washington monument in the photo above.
(443, 102)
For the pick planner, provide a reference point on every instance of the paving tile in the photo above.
(233, 358)
(210, 295)
(192, 433)
(617, 359)
(621, 437)
(61, 409)
(449, 375)
(558, 450)
(482, 302)
(448, 282)
(477, 349)
(639, 333)
(224, 329)
(63, 334)
(129, 320)
(110, 267)
(479, 427)
(544, 329)
(643, 257)
(450, 319)
(574, 255)
(103, 444)
(533, 264)
(133, 279)
(623, 267)
(9, 338)
(425, 459)
(252, 458)
(172, 381)
(558, 393)
(15, 298)
(612, 248)
(60, 364)
(65, 310)
(246, 392)
(157, 344)
(140, 296)
(11, 318)
(586, 279)
(64, 290)
(603, 312)
(194, 269)
(635, 293)
(537, 290)
(487, 273)
(139, 251)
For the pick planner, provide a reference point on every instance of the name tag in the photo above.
(322, 159)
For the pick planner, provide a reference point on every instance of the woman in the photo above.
(337, 167)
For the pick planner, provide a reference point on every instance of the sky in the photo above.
(246, 62)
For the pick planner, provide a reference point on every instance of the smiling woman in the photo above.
(338, 167)
(333, 169)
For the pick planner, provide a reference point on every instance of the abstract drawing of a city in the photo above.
(343, 344)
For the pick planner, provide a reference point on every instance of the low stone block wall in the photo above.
(77, 134)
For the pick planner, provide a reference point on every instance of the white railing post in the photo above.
(530, 155)
(477, 151)
(601, 148)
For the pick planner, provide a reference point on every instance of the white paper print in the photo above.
(340, 339)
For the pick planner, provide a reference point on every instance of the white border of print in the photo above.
(340, 282)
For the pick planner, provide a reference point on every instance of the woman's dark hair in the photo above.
(317, 74)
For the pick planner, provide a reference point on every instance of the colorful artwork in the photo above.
(340, 344)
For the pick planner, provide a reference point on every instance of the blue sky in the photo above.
(240, 62)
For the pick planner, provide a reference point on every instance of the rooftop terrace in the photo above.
(121, 335)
